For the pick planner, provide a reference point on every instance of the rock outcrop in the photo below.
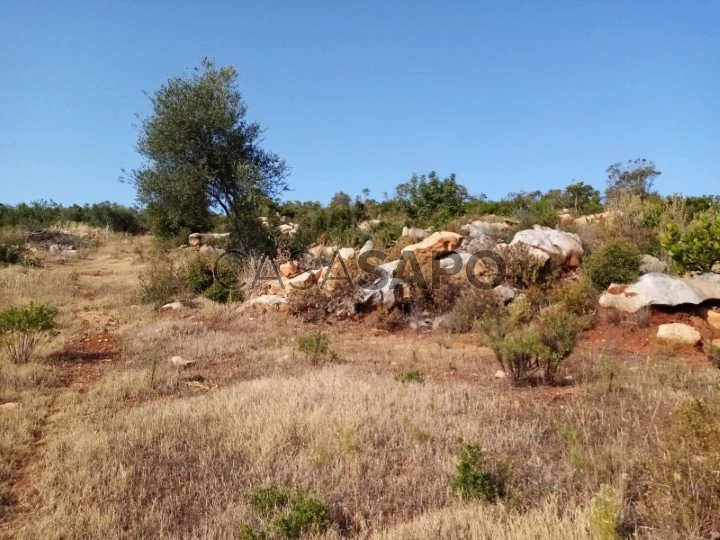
(207, 239)
(662, 290)
(559, 247)
(650, 265)
(435, 245)
(415, 234)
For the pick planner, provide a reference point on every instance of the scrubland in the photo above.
(363, 437)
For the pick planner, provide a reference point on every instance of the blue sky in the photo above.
(509, 95)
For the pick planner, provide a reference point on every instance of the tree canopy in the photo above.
(204, 156)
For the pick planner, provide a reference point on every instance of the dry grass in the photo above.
(131, 447)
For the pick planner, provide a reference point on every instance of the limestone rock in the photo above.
(367, 246)
(368, 224)
(202, 239)
(289, 269)
(435, 245)
(415, 234)
(678, 333)
(562, 248)
(172, 306)
(594, 218)
(663, 290)
(650, 264)
(9, 406)
(180, 363)
(712, 317)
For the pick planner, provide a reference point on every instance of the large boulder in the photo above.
(386, 293)
(561, 248)
(678, 333)
(206, 239)
(711, 316)
(265, 303)
(415, 234)
(480, 228)
(435, 245)
(594, 218)
(662, 290)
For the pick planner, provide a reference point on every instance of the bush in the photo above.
(613, 262)
(222, 294)
(409, 376)
(391, 321)
(577, 297)
(293, 514)
(605, 514)
(696, 248)
(24, 329)
(310, 304)
(472, 480)
(313, 344)
(160, 282)
(522, 269)
(558, 330)
(470, 306)
(198, 275)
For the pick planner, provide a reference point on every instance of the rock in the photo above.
(662, 290)
(54, 248)
(289, 269)
(712, 317)
(478, 243)
(70, 252)
(368, 224)
(309, 277)
(202, 239)
(387, 293)
(715, 344)
(367, 246)
(500, 374)
(650, 264)
(288, 229)
(594, 218)
(173, 306)
(678, 333)
(415, 234)
(435, 245)
(480, 228)
(265, 304)
(180, 363)
(562, 248)
(210, 249)
(388, 269)
(322, 252)
(716, 268)
(9, 405)
(565, 219)
(505, 293)
(420, 324)
(438, 322)
(347, 254)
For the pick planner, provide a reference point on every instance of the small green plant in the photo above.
(293, 514)
(613, 262)
(313, 344)
(267, 500)
(558, 330)
(24, 329)
(697, 247)
(306, 514)
(472, 480)
(575, 443)
(409, 377)
(220, 293)
(605, 514)
(199, 275)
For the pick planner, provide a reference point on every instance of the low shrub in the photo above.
(578, 297)
(698, 246)
(293, 514)
(314, 345)
(310, 304)
(470, 306)
(24, 329)
(160, 282)
(606, 514)
(558, 330)
(9, 254)
(198, 275)
(522, 268)
(391, 321)
(409, 377)
(472, 480)
(614, 262)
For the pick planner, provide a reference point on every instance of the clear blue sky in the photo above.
(508, 95)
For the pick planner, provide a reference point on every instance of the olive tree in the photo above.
(204, 157)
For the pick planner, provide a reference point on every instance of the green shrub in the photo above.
(409, 376)
(697, 247)
(522, 268)
(472, 480)
(248, 533)
(306, 514)
(198, 275)
(614, 262)
(577, 297)
(470, 306)
(558, 330)
(267, 500)
(220, 293)
(24, 329)
(313, 344)
(605, 514)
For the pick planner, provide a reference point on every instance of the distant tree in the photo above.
(582, 199)
(636, 176)
(204, 156)
(431, 198)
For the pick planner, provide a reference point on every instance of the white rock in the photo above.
(368, 224)
(180, 363)
(10, 405)
(678, 333)
(650, 265)
(563, 248)
(663, 290)
(172, 306)
(500, 374)
(268, 299)
(415, 234)
(367, 246)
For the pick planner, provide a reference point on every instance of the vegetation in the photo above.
(203, 155)
(698, 246)
(613, 262)
(24, 329)
(472, 480)
(409, 377)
